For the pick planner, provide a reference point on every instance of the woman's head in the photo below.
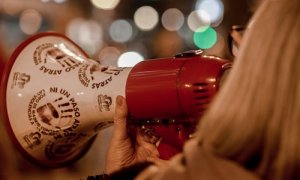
(256, 115)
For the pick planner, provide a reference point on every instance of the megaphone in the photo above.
(54, 99)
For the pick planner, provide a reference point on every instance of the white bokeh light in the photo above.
(30, 21)
(214, 9)
(172, 19)
(121, 31)
(87, 33)
(59, 1)
(12, 7)
(146, 18)
(198, 19)
(129, 59)
(105, 4)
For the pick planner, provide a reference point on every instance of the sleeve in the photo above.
(197, 163)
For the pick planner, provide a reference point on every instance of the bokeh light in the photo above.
(138, 46)
(109, 56)
(129, 59)
(172, 19)
(167, 44)
(105, 4)
(59, 1)
(87, 33)
(12, 8)
(146, 18)
(213, 8)
(30, 21)
(198, 19)
(205, 38)
(120, 31)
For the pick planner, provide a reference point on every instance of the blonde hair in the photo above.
(256, 114)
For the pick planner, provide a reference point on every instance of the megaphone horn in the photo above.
(55, 99)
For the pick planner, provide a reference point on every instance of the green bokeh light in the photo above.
(205, 38)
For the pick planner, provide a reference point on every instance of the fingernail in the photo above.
(119, 100)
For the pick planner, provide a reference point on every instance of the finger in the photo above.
(158, 162)
(120, 118)
(148, 135)
(148, 142)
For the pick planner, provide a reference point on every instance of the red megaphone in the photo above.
(54, 99)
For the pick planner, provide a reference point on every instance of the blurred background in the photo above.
(117, 33)
(108, 30)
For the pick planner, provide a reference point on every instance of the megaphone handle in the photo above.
(168, 135)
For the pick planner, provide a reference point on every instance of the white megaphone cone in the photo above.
(54, 99)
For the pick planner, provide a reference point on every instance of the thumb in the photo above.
(120, 118)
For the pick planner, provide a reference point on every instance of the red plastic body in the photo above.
(173, 87)
(170, 95)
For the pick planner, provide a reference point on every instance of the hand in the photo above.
(124, 151)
